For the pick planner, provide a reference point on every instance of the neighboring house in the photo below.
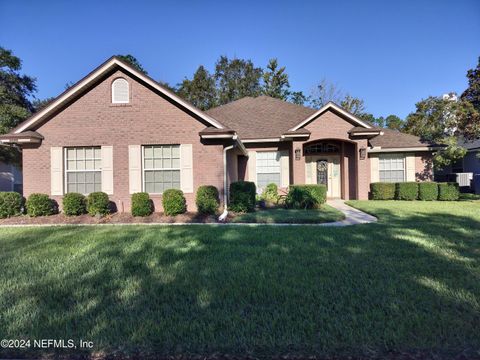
(464, 170)
(119, 131)
(10, 177)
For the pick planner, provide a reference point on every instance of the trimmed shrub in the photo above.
(242, 196)
(406, 191)
(270, 193)
(142, 205)
(11, 204)
(382, 191)
(74, 204)
(98, 203)
(448, 191)
(207, 200)
(306, 196)
(427, 191)
(40, 205)
(173, 202)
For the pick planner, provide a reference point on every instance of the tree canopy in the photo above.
(133, 61)
(472, 93)
(200, 91)
(16, 90)
(236, 78)
(443, 121)
(275, 81)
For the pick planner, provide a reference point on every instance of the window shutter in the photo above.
(308, 170)
(120, 91)
(56, 171)
(285, 168)
(374, 169)
(410, 167)
(186, 168)
(107, 169)
(252, 166)
(135, 168)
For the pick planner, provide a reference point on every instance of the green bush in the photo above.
(406, 191)
(173, 202)
(270, 193)
(40, 205)
(11, 204)
(98, 203)
(428, 191)
(74, 204)
(207, 200)
(448, 191)
(382, 191)
(306, 196)
(142, 205)
(242, 196)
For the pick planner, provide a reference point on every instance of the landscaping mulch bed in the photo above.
(116, 218)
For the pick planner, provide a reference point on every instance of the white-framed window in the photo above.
(83, 169)
(120, 91)
(161, 168)
(391, 168)
(268, 168)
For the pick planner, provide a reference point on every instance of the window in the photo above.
(161, 168)
(268, 168)
(83, 167)
(120, 91)
(392, 168)
(321, 148)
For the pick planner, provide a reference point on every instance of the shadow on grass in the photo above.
(409, 282)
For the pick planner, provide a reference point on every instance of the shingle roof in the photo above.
(260, 117)
(397, 139)
(359, 129)
(24, 134)
(469, 144)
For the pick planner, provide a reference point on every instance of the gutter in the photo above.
(225, 182)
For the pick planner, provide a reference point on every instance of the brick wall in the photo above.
(92, 120)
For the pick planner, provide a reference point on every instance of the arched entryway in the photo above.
(331, 162)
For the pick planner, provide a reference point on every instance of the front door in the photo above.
(328, 173)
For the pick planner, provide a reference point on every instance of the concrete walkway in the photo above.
(352, 216)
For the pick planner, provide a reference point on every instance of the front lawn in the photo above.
(291, 216)
(410, 282)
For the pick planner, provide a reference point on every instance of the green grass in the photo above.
(468, 196)
(410, 281)
(289, 216)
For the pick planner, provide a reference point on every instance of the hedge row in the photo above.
(98, 203)
(426, 191)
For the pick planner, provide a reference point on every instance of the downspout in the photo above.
(225, 182)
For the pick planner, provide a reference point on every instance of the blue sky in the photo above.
(390, 53)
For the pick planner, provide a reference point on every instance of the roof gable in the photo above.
(85, 83)
(332, 106)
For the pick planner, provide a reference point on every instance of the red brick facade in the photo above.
(92, 120)
(153, 118)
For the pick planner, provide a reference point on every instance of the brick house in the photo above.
(119, 131)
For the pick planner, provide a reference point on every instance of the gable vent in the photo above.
(120, 91)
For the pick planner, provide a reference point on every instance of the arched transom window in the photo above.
(120, 91)
(321, 147)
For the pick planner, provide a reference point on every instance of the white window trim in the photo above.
(65, 167)
(404, 167)
(155, 169)
(113, 95)
(277, 154)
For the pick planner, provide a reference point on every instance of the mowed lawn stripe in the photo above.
(410, 281)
